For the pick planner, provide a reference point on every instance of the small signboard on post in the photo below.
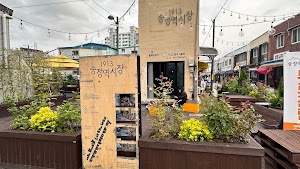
(110, 111)
(291, 68)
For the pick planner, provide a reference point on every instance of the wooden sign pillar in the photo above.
(109, 111)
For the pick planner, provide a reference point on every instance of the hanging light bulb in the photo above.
(21, 25)
(49, 34)
(255, 19)
(264, 19)
(98, 34)
(203, 31)
(224, 11)
(272, 31)
(154, 7)
(191, 28)
(231, 14)
(69, 36)
(86, 38)
(181, 25)
(221, 32)
(239, 16)
(241, 32)
(247, 18)
(283, 18)
(274, 19)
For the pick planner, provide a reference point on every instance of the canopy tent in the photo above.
(61, 61)
(264, 70)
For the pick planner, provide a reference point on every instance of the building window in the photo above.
(75, 52)
(229, 61)
(264, 48)
(280, 41)
(255, 52)
(226, 62)
(296, 35)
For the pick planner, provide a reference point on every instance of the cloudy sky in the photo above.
(77, 16)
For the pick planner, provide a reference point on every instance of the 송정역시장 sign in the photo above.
(109, 111)
(291, 68)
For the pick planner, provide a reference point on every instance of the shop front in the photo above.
(169, 45)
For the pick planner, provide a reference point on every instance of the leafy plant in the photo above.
(68, 117)
(70, 80)
(44, 120)
(77, 96)
(281, 87)
(21, 122)
(225, 124)
(194, 130)
(166, 122)
(243, 77)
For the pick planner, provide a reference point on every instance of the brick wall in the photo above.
(288, 46)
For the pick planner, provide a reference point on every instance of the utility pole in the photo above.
(212, 57)
(110, 17)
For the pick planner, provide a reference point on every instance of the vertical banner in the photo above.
(109, 106)
(291, 68)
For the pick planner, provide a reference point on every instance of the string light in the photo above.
(191, 28)
(86, 38)
(69, 36)
(181, 25)
(241, 32)
(283, 18)
(224, 11)
(203, 32)
(221, 32)
(98, 34)
(247, 18)
(239, 16)
(272, 31)
(21, 25)
(49, 34)
(255, 19)
(274, 19)
(231, 14)
(264, 19)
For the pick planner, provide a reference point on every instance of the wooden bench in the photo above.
(282, 148)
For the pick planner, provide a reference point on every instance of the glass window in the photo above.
(280, 41)
(255, 52)
(296, 35)
(264, 48)
(229, 61)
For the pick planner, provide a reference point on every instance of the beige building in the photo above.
(169, 43)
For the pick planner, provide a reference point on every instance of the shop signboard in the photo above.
(291, 68)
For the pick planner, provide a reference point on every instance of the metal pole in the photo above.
(117, 23)
(212, 57)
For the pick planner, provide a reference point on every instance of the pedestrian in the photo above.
(181, 96)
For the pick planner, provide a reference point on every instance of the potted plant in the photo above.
(70, 82)
(219, 139)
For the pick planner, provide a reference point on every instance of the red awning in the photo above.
(264, 70)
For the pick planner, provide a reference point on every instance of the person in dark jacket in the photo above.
(181, 96)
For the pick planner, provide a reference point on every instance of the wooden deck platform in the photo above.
(282, 148)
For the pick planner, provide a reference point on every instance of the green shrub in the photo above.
(225, 124)
(68, 117)
(44, 120)
(166, 122)
(77, 97)
(243, 77)
(281, 88)
(70, 80)
(21, 122)
(194, 130)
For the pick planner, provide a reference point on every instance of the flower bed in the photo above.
(177, 154)
(20, 149)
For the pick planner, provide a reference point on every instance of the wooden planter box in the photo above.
(273, 118)
(177, 154)
(27, 149)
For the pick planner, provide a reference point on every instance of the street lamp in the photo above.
(110, 17)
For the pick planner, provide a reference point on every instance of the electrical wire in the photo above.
(59, 31)
(94, 9)
(128, 10)
(54, 3)
(101, 7)
(214, 19)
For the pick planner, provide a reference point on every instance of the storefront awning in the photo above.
(264, 70)
(272, 63)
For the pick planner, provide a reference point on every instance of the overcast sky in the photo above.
(78, 17)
